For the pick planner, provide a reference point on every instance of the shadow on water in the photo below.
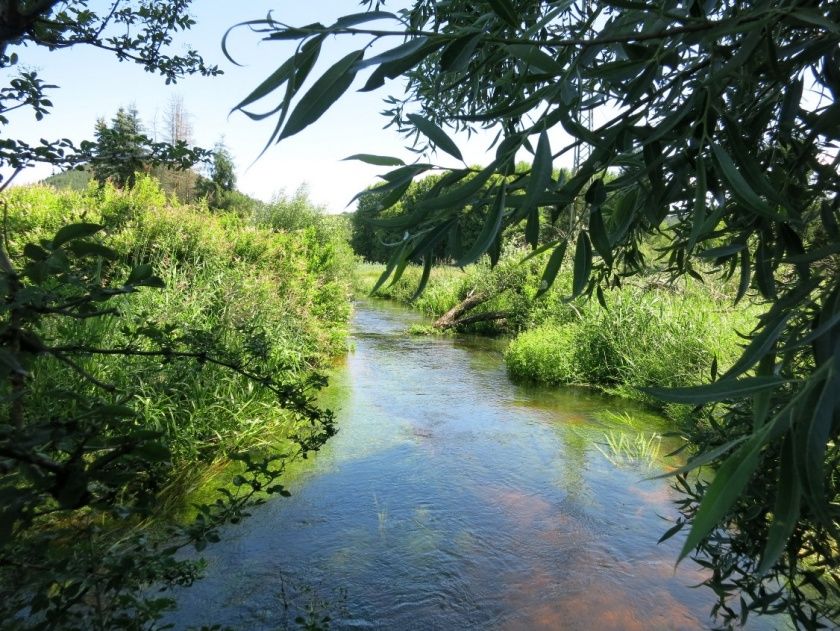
(454, 499)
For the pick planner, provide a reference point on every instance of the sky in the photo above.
(93, 84)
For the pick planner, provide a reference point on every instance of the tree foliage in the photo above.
(120, 150)
(222, 171)
(722, 120)
(140, 32)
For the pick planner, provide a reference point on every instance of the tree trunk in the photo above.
(456, 315)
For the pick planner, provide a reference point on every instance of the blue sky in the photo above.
(92, 84)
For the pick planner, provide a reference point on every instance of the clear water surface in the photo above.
(452, 498)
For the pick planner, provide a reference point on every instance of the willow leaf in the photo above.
(583, 264)
(436, 135)
(717, 391)
(488, 233)
(552, 268)
(740, 188)
(785, 509)
(323, 93)
(382, 161)
(730, 480)
(424, 278)
(504, 9)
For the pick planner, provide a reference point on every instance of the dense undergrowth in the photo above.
(234, 288)
(150, 340)
(651, 333)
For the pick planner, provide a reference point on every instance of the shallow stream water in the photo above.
(452, 498)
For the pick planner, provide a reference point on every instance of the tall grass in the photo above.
(275, 298)
(646, 336)
(651, 333)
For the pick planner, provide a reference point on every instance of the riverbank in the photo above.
(651, 333)
(154, 342)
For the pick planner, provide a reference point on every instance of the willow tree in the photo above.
(721, 118)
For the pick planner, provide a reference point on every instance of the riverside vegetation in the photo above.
(720, 150)
(647, 333)
(209, 349)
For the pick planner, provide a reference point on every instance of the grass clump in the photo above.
(647, 336)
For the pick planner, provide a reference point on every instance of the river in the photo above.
(452, 498)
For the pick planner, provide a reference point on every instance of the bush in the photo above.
(645, 337)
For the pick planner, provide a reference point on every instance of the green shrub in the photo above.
(645, 337)
(278, 298)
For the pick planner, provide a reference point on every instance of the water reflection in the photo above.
(453, 499)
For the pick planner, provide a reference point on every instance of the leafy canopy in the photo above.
(140, 32)
(721, 119)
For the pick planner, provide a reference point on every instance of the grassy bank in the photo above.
(146, 342)
(235, 288)
(651, 333)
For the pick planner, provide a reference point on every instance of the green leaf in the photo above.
(596, 194)
(75, 231)
(539, 178)
(382, 161)
(399, 60)
(35, 252)
(432, 238)
(532, 228)
(730, 480)
(703, 459)
(583, 264)
(722, 251)
(717, 391)
(396, 258)
(303, 60)
(424, 278)
(323, 93)
(671, 531)
(746, 276)
(489, 230)
(91, 248)
(759, 345)
(457, 54)
(818, 434)
(753, 171)
(785, 509)
(699, 216)
(504, 9)
(404, 50)
(458, 196)
(740, 188)
(360, 18)
(152, 281)
(598, 233)
(552, 268)
(436, 135)
(153, 451)
(390, 195)
(270, 84)
(764, 271)
(533, 56)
